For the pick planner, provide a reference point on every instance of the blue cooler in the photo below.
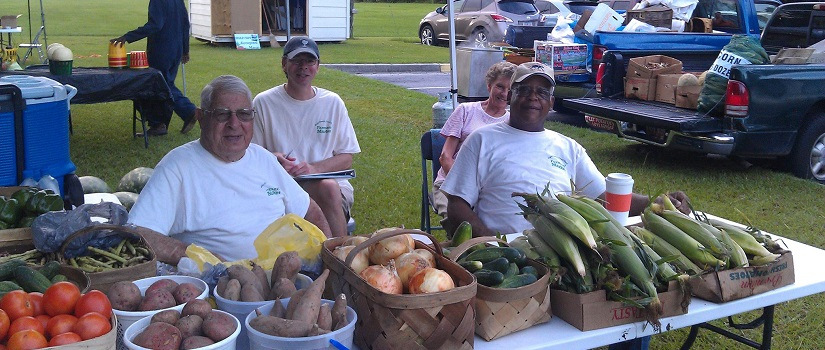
(34, 129)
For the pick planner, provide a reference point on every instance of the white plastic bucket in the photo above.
(240, 309)
(127, 318)
(258, 340)
(140, 325)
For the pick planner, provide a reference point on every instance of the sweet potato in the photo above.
(324, 317)
(189, 326)
(159, 336)
(244, 275)
(287, 266)
(222, 281)
(198, 307)
(261, 275)
(218, 326)
(249, 292)
(167, 316)
(339, 312)
(196, 342)
(280, 327)
(232, 291)
(124, 296)
(156, 300)
(185, 292)
(316, 330)
(278, 309)
(165, 283)
(306, 309)
(282, 288)
(293, 303)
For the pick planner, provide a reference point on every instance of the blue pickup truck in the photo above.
(740, 17)
(774, 112)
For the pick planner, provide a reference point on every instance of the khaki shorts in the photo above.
(439, 201)
(347, 198)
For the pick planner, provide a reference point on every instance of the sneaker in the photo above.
(157, 130)
(189, 124)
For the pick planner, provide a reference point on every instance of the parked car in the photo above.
(764, 10)
(550, 9)
(477, 21)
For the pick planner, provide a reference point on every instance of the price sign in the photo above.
(247, 42)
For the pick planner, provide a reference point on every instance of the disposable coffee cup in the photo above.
(617, 195)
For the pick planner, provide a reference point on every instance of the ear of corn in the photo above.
(760, 237)
(697, 232)
(688, 246)
(738, 258)
(521, 243)
(562, 215)
(556, 238)
(666, 250)
(551, 258)
(748, 243)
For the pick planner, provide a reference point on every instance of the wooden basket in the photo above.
(443, 320)
(501, 311)
(103, 280)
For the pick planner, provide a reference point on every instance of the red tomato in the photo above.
(60, 324)
(17, 304)
(92, 325)
(4, 324)
(26, 340)
(93, 301)
(36, 299)
(65, 338)
(44, 320)
(24, 323)
(60, 298)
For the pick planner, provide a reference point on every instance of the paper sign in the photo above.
(247, 42)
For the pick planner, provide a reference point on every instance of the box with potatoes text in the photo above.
(733, 284)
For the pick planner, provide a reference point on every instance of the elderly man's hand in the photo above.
(679, 199)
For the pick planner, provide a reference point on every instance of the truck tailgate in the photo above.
(648, 113)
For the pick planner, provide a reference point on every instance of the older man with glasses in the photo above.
(520, 156)
(220, 191)
(309, 130)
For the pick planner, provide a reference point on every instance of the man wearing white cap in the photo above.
(309, 131)
(520, 156)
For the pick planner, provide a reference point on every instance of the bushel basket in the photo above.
(442, 320)
(103, 280)
(501, 311)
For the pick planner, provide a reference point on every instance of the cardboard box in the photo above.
(688, 96)
(743, 282)
(699, 25)
(666, 87)
(640, 88)
(564, 58)
(593, 311)
(656, 15)
(651, 66)
(9, 21)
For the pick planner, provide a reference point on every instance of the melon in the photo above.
(127, 199)
(93, 184)
(134, 180)
(688, 79)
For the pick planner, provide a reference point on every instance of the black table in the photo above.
(98, 85)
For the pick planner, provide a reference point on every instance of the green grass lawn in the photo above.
(389, 121)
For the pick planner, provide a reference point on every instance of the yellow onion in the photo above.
(390, 248)
(427, 255)
(383, 278)
(355, 240)
(359, 263)
(408, 264)
(430, 280)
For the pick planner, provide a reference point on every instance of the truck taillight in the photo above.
(500, 18)
(598, 52)
(599, 77)
(736, 99)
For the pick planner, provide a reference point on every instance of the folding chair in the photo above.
(431, 144)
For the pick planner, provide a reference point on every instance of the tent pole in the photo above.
(453, 75)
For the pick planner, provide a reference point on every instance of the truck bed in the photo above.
(655, 114)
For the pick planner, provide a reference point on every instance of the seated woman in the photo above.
(468, 117)
(219, 192)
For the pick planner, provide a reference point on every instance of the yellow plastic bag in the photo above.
(200, 256)
(290, 233)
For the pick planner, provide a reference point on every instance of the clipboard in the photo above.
(342, 174)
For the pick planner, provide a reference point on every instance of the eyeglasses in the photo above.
(303, 61)
(527, 90)
(223, 115)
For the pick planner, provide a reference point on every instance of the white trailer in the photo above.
(216, 21)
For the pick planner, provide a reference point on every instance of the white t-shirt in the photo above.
(197, 198)
(466, 118)
(498, 159)
(312, 130)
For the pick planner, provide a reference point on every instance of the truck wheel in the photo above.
(426, 35)
(807, 160)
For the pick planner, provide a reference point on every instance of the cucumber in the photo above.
(471, 266)
(529, 269)
(7, 268)
(512, 270)
(488, 278)
(462, 234)
(517, 281)
(501, 265)
(8, 286)
(50, 269)
(31, 280)
(59, 278)
(491, 253)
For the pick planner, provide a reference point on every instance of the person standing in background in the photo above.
(167, 45)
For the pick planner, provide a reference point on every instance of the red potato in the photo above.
(156, 300)
(190, 326)
(159, 336)
(165, 283)
(124, 295)
(185, 292)
(218, 326)
(196, 342)
(198, 307)
(168, 316)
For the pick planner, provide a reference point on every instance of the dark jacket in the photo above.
(166, 33)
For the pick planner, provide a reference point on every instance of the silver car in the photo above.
(477, 21)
